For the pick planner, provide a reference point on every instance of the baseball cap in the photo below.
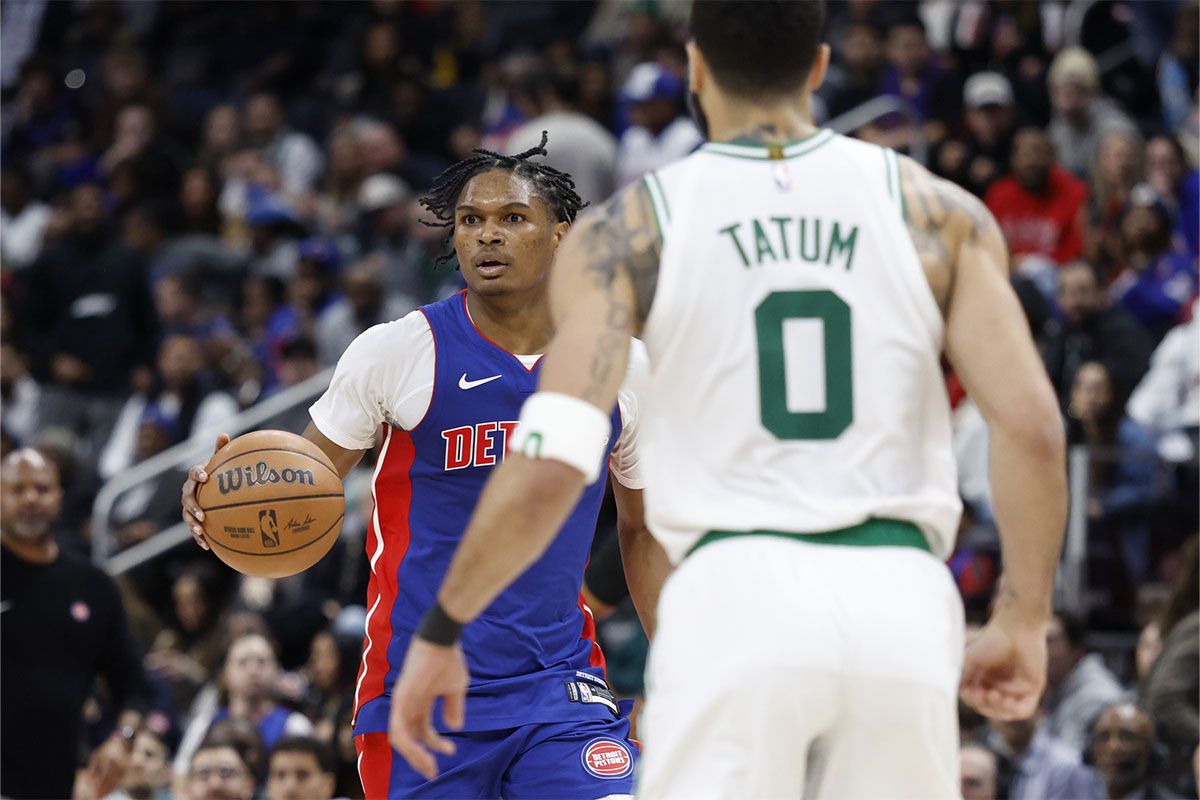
(987, 89)
(320, 250)
(1075, 65)
(265, 208)
(382, 190)
(1143, 195)
(649, 81)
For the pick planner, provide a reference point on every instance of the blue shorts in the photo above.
(582, 760)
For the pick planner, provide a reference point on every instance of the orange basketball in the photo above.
(273, 504)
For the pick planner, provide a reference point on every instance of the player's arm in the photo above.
(646, 563)
(988, 341)
(603, 279)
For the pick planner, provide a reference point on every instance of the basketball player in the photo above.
(795, 290)
(446, 384)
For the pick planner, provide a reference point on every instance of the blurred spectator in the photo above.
(981, 154)
(149, 163)
(1122, 748)
(300, 768)
(1043, 767)
(332, 668)
(222, 140)
(269, 323)
(1118, 169)
(337, 211)
(916, 74)
(218, 771)
(385, 207)
(198, 193)
(1078, 685)
(148, 771)
(1122, 485)
(854, 77)
(1091, 329)
(250, 676)
(364, 302)
(23, 219)
(1170, 693)
(1167, 400)
(978, 769)
(181, 313)
(44, 129)
(1156, 283)
(1178, 73)
(661, 132)
(274, 235)
(578, 145)
(1040, 206)
(1178, 186)
(293, 154)
(188, 649)
(90, 321)
(1081, 117)
(182, 396)
(64, 626)
(315, 287)
(20, 394)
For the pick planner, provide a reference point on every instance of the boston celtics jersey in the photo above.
(795, 346)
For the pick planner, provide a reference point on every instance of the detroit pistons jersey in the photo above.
(448, 399)
(795, 349)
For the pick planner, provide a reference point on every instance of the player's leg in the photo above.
(897, 732)
(473, 771)
(586, 760)
(742, 676)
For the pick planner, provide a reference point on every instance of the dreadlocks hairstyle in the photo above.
(555, 187)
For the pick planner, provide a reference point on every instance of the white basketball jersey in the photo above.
(795, 346)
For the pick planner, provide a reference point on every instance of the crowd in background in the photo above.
(204, 203)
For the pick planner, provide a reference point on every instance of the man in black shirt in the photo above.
(62, 626)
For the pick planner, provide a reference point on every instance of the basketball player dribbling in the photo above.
(795, 290)
(445, 383)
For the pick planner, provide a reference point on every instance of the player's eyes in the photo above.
(469, 219)
(515, 217)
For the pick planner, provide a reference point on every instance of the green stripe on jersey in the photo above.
(874, 532)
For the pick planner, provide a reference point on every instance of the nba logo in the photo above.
(783, 176)
(268, 526)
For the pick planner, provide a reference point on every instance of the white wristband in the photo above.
(563, 428)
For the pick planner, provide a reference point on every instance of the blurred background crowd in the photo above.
(203, 203)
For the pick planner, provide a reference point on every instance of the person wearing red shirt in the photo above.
(1039, 205)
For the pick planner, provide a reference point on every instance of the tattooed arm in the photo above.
(988, 341)
(601, 287)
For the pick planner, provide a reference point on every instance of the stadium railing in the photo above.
(182, 455)
(882, 106)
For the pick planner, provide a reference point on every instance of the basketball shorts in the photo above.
(579, 760)
(784, 668)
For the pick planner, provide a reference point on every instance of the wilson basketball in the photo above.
(273, 504)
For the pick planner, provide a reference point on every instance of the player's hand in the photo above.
(1004, 668)
(192, 513)
(430, 671)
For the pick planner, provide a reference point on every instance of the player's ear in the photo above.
(559, 231)
(697, 70)
(816, 75)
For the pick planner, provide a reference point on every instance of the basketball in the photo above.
(273, 504)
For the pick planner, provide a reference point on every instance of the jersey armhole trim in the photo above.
(658, 201)
(894, 186)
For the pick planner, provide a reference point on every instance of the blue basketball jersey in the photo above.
(533, 646)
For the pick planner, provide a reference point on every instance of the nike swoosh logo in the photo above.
(463, 383)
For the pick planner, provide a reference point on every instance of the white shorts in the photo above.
(788, 669)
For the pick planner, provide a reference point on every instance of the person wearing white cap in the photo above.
(981, 156)
(1080, 116)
